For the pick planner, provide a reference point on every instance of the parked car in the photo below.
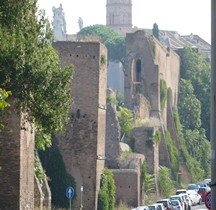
(178, 197)
(188, 200)
(185, 201)
(156, 206)
(166, 203)
(207, 181)
(176, 205)
(141, 208)
(179, 191)
(203, 191)
(202, 184)
(195, 197)
(193, 187)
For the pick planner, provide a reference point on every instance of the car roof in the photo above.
(191, 191)
(181, 190)
(155, 204)
(172, 196)
(140, 208)
(183, 194)
(165, 199)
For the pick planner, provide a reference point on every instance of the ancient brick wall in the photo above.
(141, 107)
(83, 145)
(144, 145)
(112, 133)
(141, 73)
(127, 183)
(17, 162)
(147, 62)
(42, 195)
(169, 68)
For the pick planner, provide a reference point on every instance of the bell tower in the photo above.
(119, 15)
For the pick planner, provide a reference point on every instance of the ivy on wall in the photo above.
(173, 153)
(59, 179)
(169, 95)
(163, 93)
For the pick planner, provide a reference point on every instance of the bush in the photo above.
(173, 153)
(166, 184)
(106, 197)
(163, 94)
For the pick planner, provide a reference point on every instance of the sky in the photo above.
(183, 16)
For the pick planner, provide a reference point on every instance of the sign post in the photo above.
(208, 200)
(70, 194)
(178, 178)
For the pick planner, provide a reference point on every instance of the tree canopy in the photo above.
(189, 106)
(30, 67)
(155, 31)
(114, 42)
(193, 67)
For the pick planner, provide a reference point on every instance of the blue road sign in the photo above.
(70, 192)
(208, 200)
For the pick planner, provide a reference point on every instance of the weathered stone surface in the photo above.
(128, 180)
(17, 162)
(83, 145)
(112, 133)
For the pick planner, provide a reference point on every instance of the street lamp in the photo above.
(81, 190)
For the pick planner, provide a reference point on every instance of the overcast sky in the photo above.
(183, 16)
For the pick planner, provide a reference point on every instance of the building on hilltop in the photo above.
(175, 41)
(119, 15)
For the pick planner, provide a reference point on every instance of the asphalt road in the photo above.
(199, 207)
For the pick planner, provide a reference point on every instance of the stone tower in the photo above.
(83, 145)
(119, 15)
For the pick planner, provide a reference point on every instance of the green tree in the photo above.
(114, 42)
(155, 31)
(30, 67)
(195, 68)
(189, 106)
(166, 184)
(3, 96)
(196, 169)
(199, 147)
(125, 117)
(106, 197)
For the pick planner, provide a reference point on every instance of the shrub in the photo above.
(163, 94)
(106, 197)
(166, 184)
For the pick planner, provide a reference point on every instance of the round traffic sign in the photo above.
(208, 200)
(179, 172)
(70, 192)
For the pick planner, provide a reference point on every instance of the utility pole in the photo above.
(213, 104)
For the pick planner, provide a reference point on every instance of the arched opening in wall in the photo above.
(138, 70)
(138, 76)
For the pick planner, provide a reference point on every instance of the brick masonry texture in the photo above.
(83, 144)
(17, 162)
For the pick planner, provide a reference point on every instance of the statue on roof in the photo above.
(80, 22)
(59, 24)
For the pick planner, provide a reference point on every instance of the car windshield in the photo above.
(175, 203)
(152, 208)
(163, 202)
(193, 186)
(174, 198)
